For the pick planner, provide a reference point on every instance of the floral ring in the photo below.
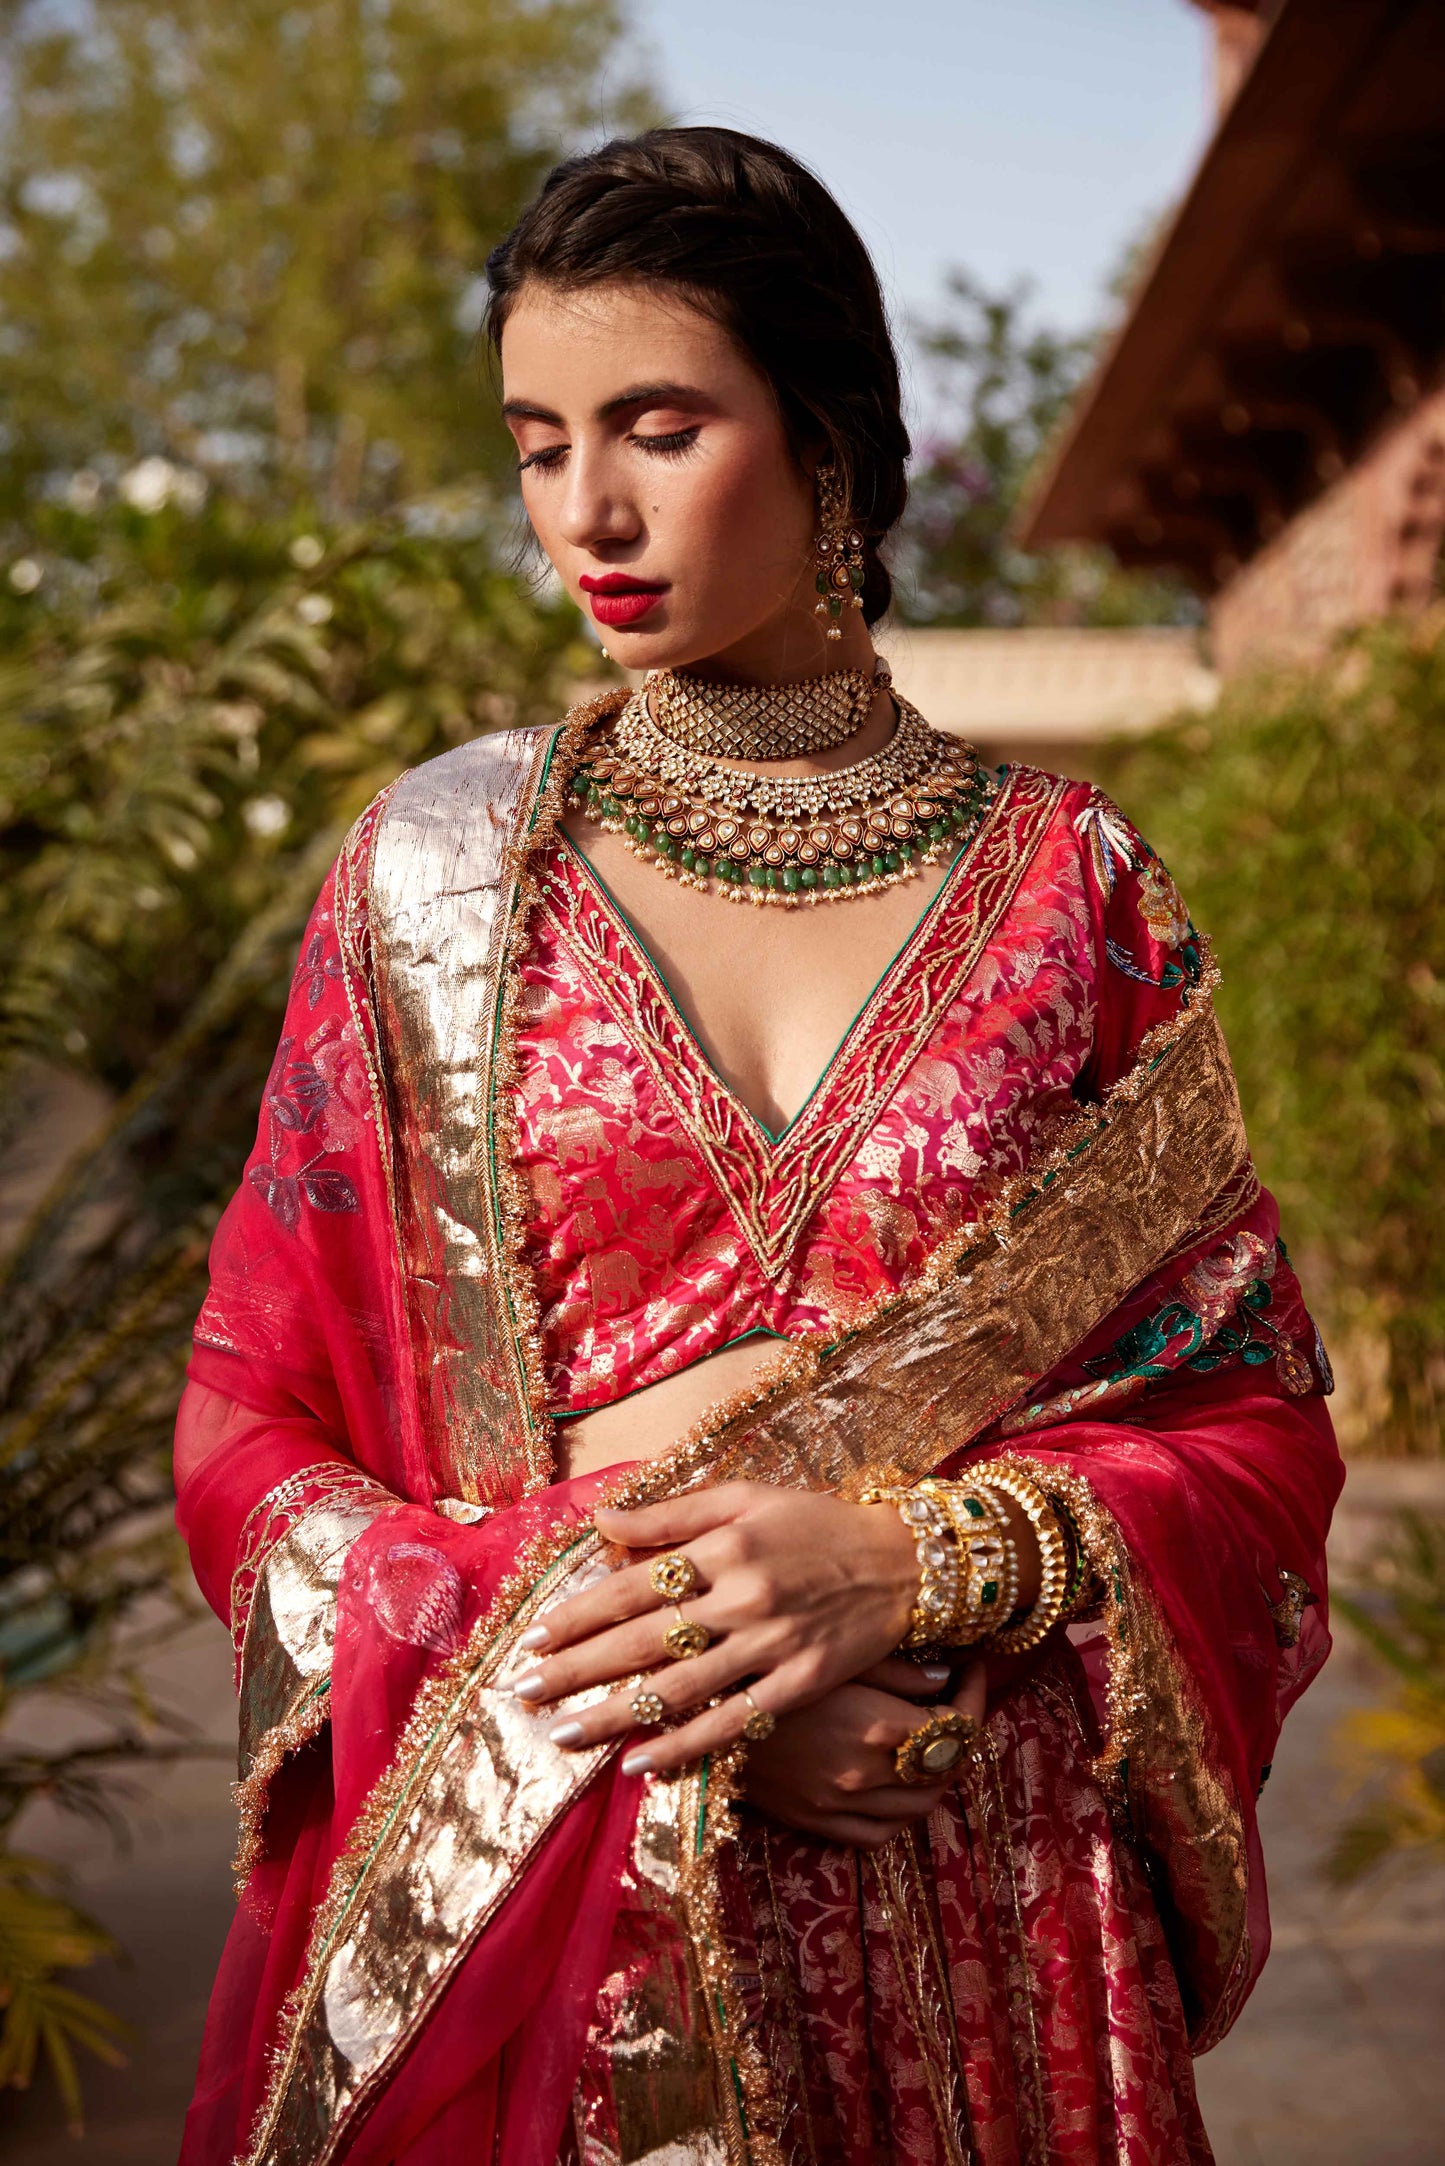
(936, 1749)
(760, 1723)
(649, 1707)
(686, 1638)
(673, 1577)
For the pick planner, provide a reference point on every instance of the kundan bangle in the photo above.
(967, 1561)
(988, 1561)
(937, 1551)
(1054, 1574)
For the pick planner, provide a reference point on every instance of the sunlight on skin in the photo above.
(652, 452)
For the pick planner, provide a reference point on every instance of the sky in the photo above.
(1020, 138)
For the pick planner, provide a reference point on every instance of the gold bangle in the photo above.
(1050, 1603)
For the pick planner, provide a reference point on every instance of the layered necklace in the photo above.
(660, 779)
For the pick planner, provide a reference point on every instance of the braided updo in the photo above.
(753, 238)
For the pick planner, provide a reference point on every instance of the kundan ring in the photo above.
(649, 1707)
(673, 1577)
(760, 1723)
(936, 1749)
(686, 1638)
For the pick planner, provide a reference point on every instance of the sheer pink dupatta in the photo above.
(300, 1430)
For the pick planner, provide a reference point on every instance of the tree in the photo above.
(249, 235)
(1003, 384)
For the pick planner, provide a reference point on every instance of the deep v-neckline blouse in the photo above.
(667, 1222)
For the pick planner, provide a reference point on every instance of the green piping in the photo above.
(774, 1136)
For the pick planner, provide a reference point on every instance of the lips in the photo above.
(617, 600)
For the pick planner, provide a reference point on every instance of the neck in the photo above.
(790, 647)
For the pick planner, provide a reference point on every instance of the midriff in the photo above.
(648, 1422)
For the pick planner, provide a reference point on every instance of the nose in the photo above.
(598, 511)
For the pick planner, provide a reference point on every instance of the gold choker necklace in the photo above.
(784, 839)
(763, 721)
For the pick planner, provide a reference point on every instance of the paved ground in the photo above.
(1335, 2062)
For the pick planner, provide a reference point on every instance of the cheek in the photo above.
(742, 516)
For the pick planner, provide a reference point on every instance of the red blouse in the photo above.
(668, 1222)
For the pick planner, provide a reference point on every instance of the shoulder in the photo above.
(484, 775)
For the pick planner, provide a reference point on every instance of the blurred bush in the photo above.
(1304, 819)
(194, 704)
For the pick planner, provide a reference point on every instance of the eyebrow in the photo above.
(635, 395)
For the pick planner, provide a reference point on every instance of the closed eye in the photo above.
(673, 446)
(550, 455)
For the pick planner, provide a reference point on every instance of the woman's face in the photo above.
(658, 478)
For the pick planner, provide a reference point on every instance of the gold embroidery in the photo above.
(905, 1898)
(773, 1187)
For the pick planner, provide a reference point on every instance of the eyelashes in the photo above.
(677, 445)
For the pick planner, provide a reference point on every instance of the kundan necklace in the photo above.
(779, 839)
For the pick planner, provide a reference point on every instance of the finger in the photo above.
(717, 1727)
(971, 1698)
(909, 1680)
(626, 1649)
(622, 1594)
(899, 1801)
(676, 1519)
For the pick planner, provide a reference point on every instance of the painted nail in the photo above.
(637, 1763)
(530, 1688)
(566, 1733)
(534, 1636)
(935, 1673)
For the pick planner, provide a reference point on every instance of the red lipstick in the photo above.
(618, 599)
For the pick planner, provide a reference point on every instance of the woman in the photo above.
(752, 1424)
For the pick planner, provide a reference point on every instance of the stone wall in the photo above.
(1369, 547)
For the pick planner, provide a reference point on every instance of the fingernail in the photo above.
(530, 1688)
(936, 1673)
(534, 1636)
(637, 1763)
(566, 1733)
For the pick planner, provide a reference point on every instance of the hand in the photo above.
(801, 1592)
(828, 1769)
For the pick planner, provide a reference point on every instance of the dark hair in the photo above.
(757, 241)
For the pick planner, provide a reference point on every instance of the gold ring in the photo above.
(686, 1638)
(649, 1707)
(760, 1723)
(673, 1577)
(936, 1749)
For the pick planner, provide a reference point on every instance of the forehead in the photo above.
(580, 345)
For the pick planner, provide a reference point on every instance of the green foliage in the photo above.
(1004, 385)
(251, 236)
(41, 1935)
(193, 708)
(1401, 1616)
(1303, 819)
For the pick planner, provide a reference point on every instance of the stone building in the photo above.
(1269, 418)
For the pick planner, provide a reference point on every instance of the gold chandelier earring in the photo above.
(839, 549)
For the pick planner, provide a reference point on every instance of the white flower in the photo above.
(25, 575)
(267, 815)
(154, 482)
(307, 551)
(314, 608)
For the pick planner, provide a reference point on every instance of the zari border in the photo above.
(356, 1877)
